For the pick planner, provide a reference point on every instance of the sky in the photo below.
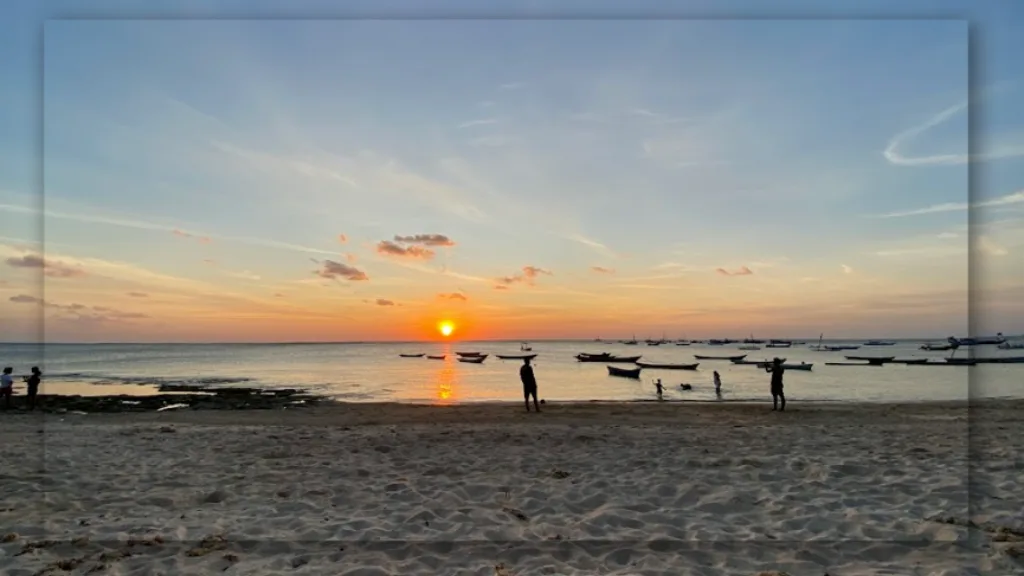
(364, 179)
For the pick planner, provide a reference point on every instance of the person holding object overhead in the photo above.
(776, 370)
(529, 384)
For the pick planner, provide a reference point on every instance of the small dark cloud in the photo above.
(50, 268)
(138, 295)
(342, 238)
(336, 270)
(209, 261)
(453, 296)
(744, 271)
(383, 302)
(390, 248)
(501, 287)
(278, 295)
(602, 270)
(426, 240)
(528, 274)
(25, 299)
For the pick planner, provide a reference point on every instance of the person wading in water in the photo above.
(529, 384)
(776, 370)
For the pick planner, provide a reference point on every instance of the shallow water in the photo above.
(375, 372)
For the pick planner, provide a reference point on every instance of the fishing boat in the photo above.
(442, 357)
(762, 363)
(516, 356)
(473, 359)
(1011, 346)
(682, 343)
(748, 347)
(729, 358)
(411, 355)
(470, 354)
(624, 372)
(911, 361)
(779, 344)
(1005, 360)
(607, 358)
(841, 347)
(752, 340)
(879, 343)
(961, 361)
(525, 347)
(668, 366)
(979, 341)
(851, 364)
(872, 359)
(800, 366)
(936, 347)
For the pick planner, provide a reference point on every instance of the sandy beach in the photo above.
(589, 488)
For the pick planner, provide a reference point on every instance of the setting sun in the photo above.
(446, 328)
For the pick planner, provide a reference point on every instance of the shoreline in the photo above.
(616, 488)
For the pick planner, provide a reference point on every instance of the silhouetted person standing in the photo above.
(529, 384)
(776, 370)
(33, 386)
(7, 386)
(718, 385)
(659, 387)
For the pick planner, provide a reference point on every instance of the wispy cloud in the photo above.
(527, 276)
(342, 238)
(491, 141)
(1012, 198)
(145, 225)
(183, 234)
(846, 269)
(80, 312)
(51, 268)
(336, 270)
(988, 247)
(602, 270)
(591, 243)
(138, 295)
(743, 271)
(894, 155)
(512, 86)
(655, 117)
(384, 302)
(481, 122)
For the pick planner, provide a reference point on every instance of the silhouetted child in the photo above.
(33, 387)
(718, 384)
(661, 389)
(776, 370)
(7, 386)
(529, 384)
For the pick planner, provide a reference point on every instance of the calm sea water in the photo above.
(375, 372)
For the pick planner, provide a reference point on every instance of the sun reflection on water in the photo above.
(446, 378)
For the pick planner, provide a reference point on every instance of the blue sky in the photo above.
(644, 165)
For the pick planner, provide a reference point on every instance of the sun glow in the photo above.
(446, 328)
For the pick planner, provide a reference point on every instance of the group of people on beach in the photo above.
(32, 382)
(775, 368)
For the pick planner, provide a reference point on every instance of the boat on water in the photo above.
(762, 363)
(516, 356)
(682, 343)
(624, 372)
(979, 341)
(779, 345)
(442, 357)
(748, 347)
(752, 340)
(961, 361)
(936, 347)
(872, 359)
(997, 360)
(470, 354)
(473, 359)
(879, 343)
(851, 364)
(729, 358)
(604, 357)
(800, 366)
(411, 355)
(911, 361)
(525, 346)
(841, 347)
(668, 366)
(1011, 346)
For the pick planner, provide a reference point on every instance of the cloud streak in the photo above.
(894, 156)
(389, 248)
(332, 270)
(1012, 198)
(426, 240)
(51, 268)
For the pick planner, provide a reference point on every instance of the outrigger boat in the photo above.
(624, 372)
(668, 366)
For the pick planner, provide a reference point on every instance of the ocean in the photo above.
(373, 372)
